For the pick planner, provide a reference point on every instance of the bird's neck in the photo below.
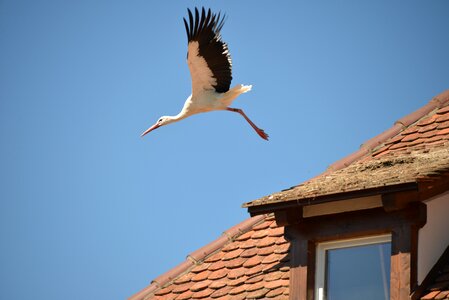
(182, 115)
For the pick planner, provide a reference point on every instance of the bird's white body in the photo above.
(206, 101)
(210, 67)
(209, 100)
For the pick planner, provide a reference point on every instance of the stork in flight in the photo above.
(210, 68)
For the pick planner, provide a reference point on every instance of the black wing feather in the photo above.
(205, 29)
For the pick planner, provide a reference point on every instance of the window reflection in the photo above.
(360, 272)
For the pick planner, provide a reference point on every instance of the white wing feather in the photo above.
(202, 77)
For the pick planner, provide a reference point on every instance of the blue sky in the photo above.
(89, 210)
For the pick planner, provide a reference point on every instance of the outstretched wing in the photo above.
(208, 56)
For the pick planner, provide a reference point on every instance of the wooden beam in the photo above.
(289, 217)
(397, 201)
(298, 270)
(302, 265)
(431, 188)
(400, 288)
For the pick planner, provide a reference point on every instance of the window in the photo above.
(354, 269)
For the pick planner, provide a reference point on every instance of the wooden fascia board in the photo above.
(284, 205)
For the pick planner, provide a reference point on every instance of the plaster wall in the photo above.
(433, 238)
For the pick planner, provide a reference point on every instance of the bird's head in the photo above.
(164, 120)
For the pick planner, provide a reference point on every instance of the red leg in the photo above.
(259, 131)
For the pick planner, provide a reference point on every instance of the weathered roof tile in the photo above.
(282, 249)
(164, 291)
(274, 284)
(271, 258)
(259, 234)
(201, 276)
(230, 247)
(255, 286)
(261, 226)
(268, 241)
(426, 121)
(181, 288)
(217, 284)
(201, 285)
(266, 251)
(275, 292)
(236, 263)
(218, 274)
(224, 291)
(430, 295)
(427, 128)
(249, 252)
(257, 294)
(238, 281)
(197, 269)
(272, 276)
(212, 259)
(253, 261)
(232, 254)
(203, 294)
(248, 244)
(257, 278)
(236, 273)
(443, 118)
(217, 265)
(184, 296)
(254, 270)
(443, 125)
(238, 290)
(276, 231)
(245, 236)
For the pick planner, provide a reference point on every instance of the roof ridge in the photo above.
(198, 256)
(367, 147)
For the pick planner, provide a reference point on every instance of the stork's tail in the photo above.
(233, 93)
(243, 88)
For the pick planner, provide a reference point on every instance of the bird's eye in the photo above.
(160, 120)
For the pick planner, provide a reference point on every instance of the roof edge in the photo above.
(436, 102)
(350, 194)
(198, 257)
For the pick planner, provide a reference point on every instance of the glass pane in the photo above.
(361, 272)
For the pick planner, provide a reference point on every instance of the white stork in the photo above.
(210, 68)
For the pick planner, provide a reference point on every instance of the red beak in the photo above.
(150, 129)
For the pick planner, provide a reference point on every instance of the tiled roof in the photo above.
(253, 265)
(396, 156)
(439, 286)
(428, 132)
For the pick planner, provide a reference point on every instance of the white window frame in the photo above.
(321, 256)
